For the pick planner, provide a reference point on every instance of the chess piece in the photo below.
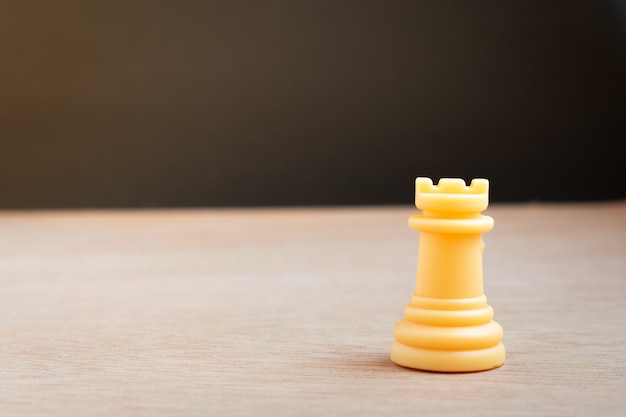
(448, 326)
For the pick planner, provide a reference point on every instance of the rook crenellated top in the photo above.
(451, 186)
(451, 195)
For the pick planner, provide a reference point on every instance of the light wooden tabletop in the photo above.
(291, 312)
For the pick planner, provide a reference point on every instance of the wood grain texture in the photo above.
(291, 311)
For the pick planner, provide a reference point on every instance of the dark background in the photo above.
(245, 103)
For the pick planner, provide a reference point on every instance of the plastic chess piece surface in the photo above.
(448, 326)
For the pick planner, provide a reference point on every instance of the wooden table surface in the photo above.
(290, 312)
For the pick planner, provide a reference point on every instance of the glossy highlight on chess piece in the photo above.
(448, 325)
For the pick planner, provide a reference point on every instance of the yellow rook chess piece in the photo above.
(448, 326)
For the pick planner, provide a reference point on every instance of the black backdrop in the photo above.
(239, 103)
